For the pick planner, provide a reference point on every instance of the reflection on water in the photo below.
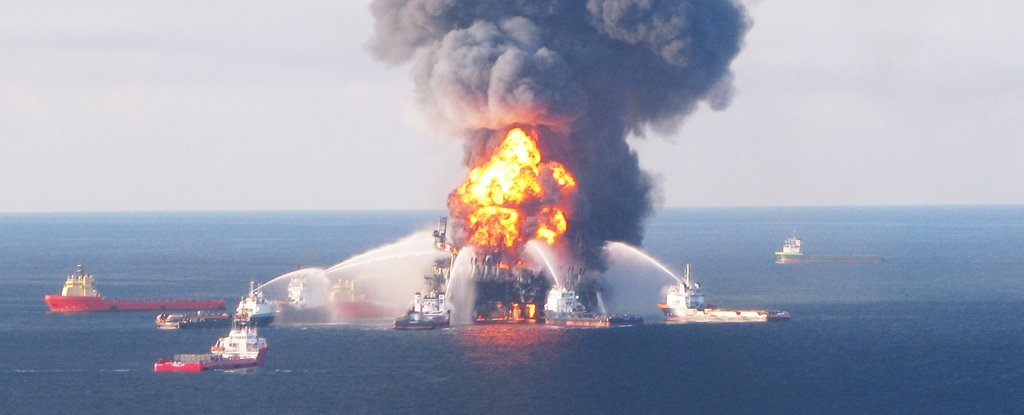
(506, 345)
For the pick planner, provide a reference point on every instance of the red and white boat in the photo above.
(241, 348)
(80, 294)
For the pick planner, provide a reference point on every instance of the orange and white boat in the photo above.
(80, 294)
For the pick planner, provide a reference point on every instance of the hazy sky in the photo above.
(241, 105)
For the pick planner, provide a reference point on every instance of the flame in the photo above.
(511, 189)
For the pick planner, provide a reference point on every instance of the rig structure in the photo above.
(506, 289)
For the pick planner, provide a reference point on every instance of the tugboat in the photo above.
(241, 348)
(685, 304)
(563, 308)
(427, 311)
(200, 320)
(80, 294)
(254, 310)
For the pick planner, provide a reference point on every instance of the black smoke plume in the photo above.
(586, 74)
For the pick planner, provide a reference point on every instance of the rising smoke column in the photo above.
(586, 74)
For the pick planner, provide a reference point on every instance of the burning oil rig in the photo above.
(504, 292)
(507, 291)
(508, 200)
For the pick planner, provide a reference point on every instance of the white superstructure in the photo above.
(563, 301)
(242, 342)
(791, 247)
(296, 286)
(431, 305)
(253, 309)
(685, 302)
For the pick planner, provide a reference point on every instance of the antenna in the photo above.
(442, 229)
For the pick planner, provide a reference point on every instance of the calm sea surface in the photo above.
(937, 328)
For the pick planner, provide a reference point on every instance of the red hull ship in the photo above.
(241, 348)
(79, 294)
(348, 302)
(359, 309)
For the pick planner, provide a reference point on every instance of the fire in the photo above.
(514, 189)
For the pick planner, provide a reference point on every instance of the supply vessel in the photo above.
(241, 348)
(253, 309)
(685, 304)
(792, 253)
(563, 308)
(80, 294)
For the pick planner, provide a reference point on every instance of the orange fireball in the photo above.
(512, 189)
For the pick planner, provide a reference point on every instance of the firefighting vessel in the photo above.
(253, 309)
(791, 254)
(685, 304)
(428, 311)
(80, 294)
(301, 306)
(199, 320)
(241, 348)
(563, 308)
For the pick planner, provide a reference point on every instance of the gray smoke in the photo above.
(584, 74)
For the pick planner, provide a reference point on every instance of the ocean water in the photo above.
(937, 328)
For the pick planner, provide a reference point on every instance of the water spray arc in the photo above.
(312, 272)
(538, 248)
(460, 288)
(384, 272)
(384, 258)
(411, 245)
(637, 253)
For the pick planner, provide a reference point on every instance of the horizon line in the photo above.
(397, 210)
